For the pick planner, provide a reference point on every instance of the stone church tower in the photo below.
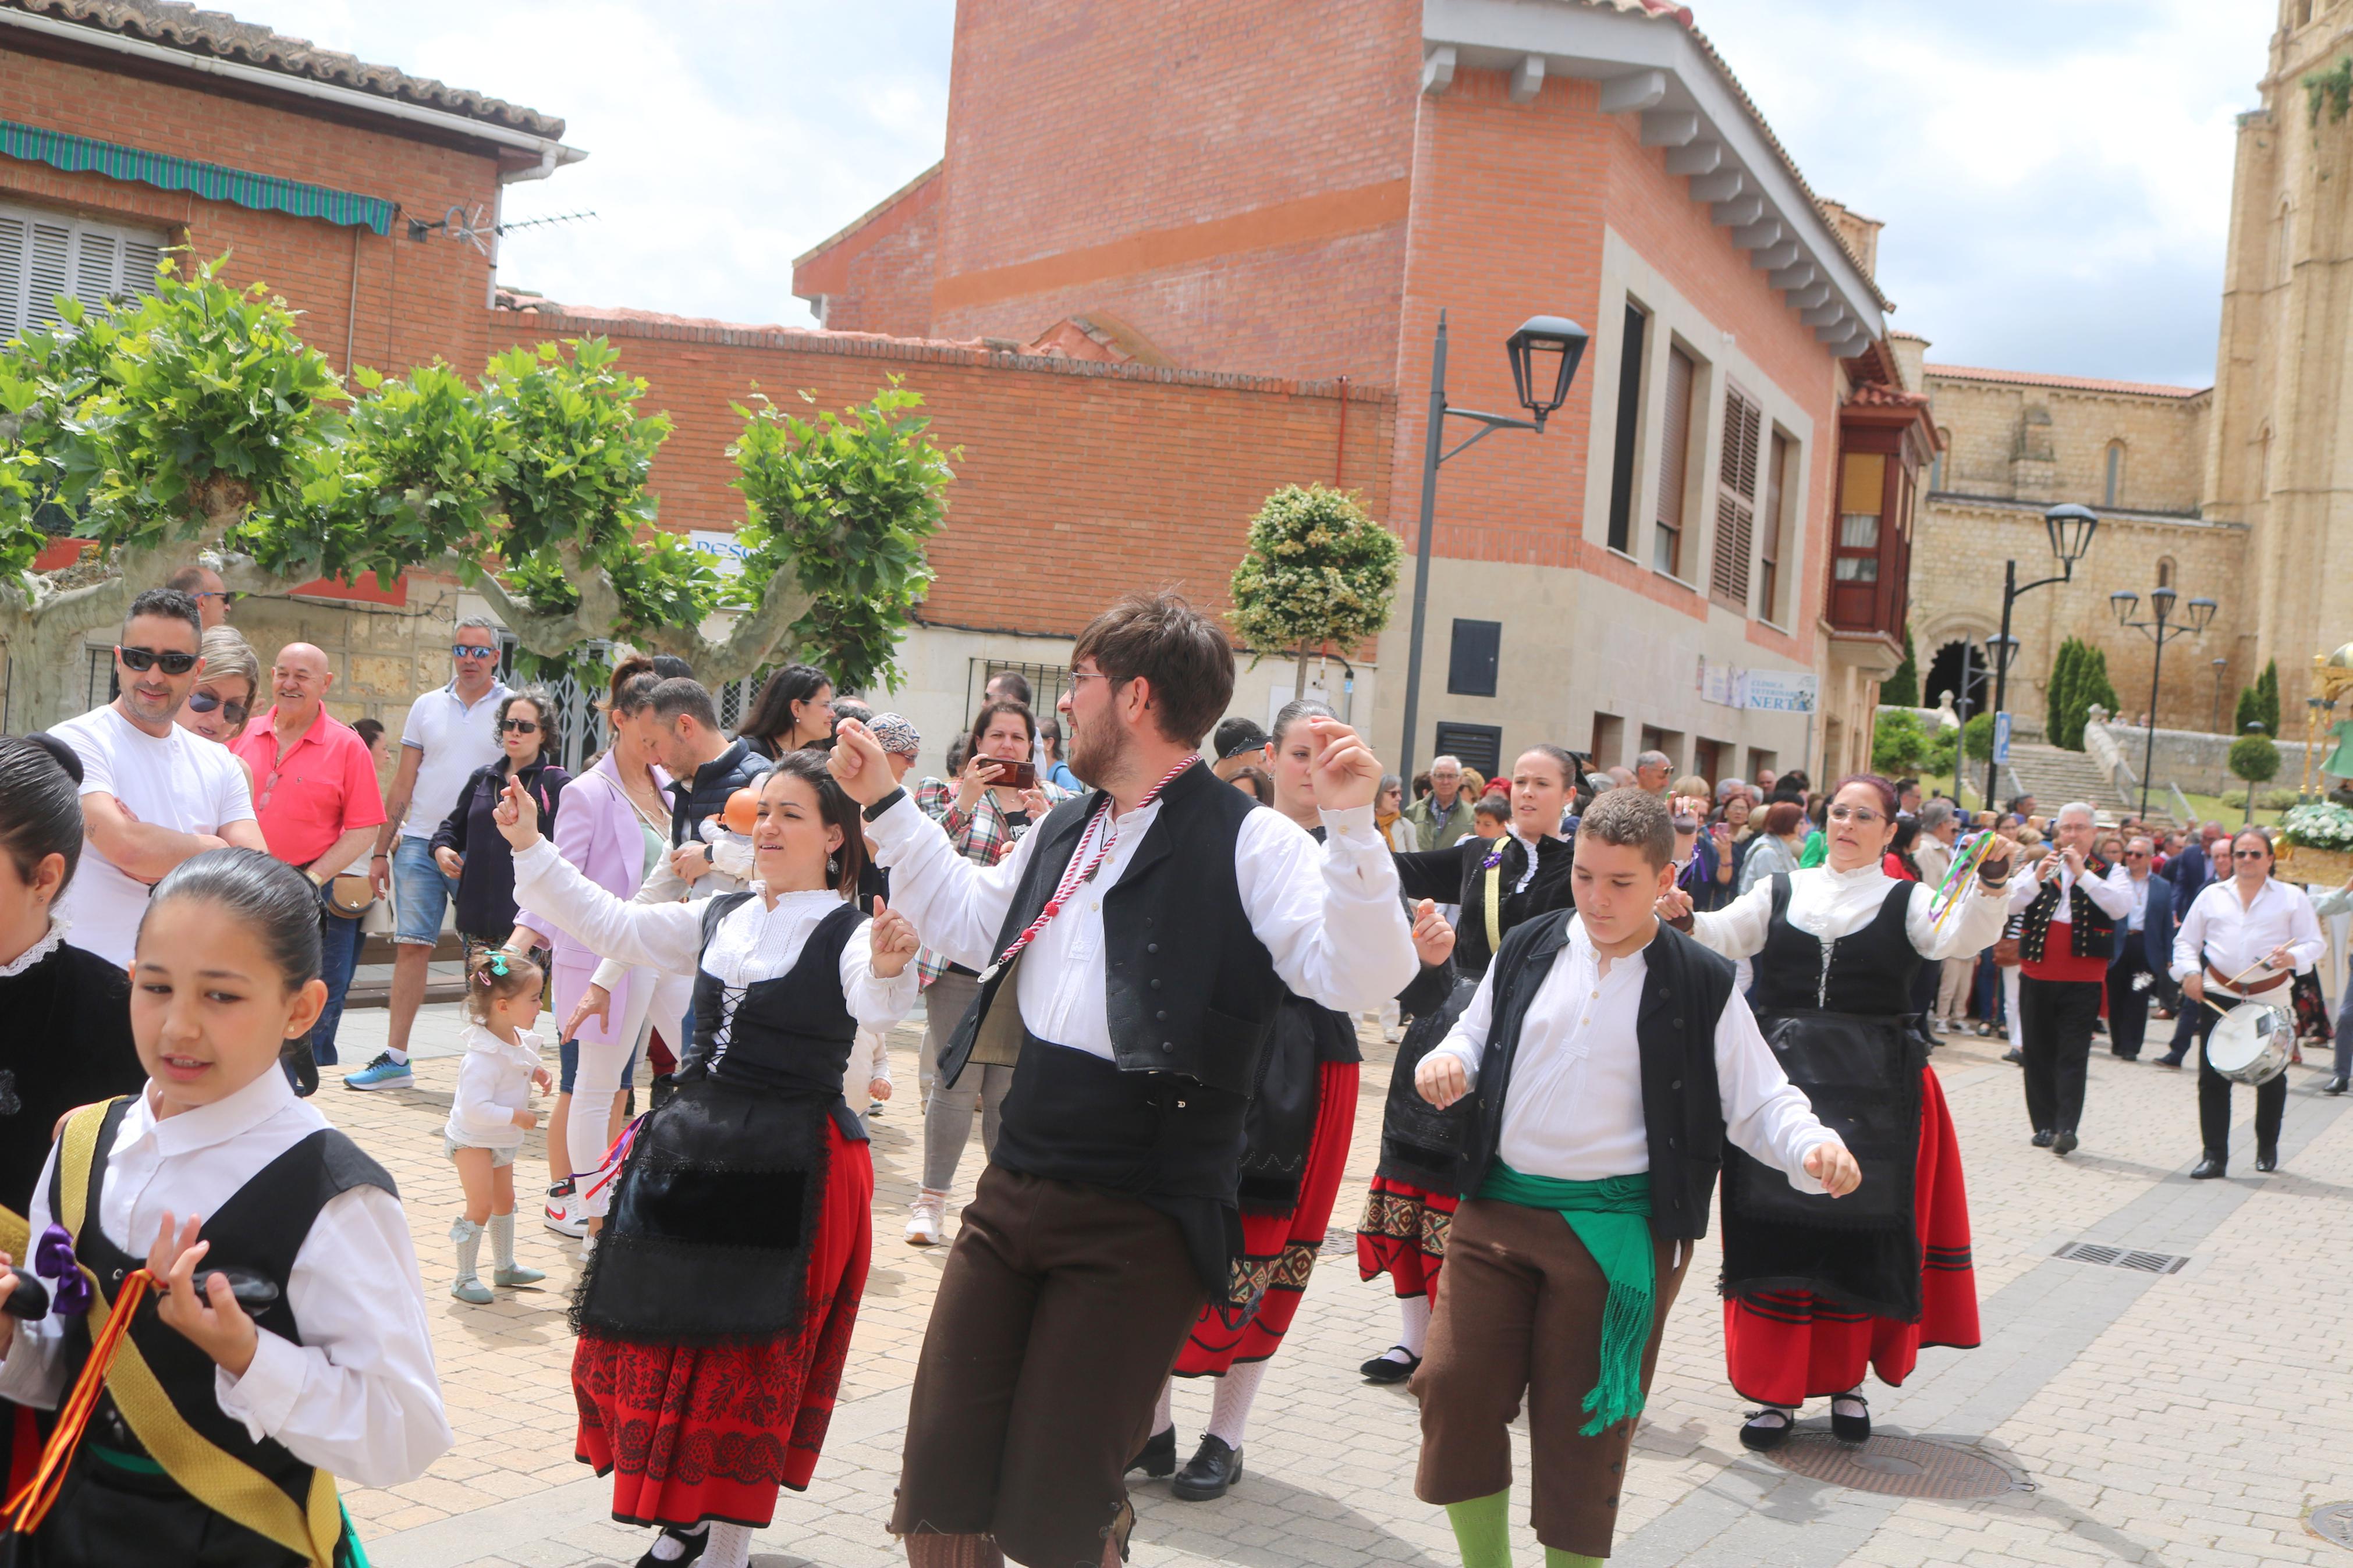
(2279, 455)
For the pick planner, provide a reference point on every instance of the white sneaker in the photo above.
(563, 1214)
(924, 1219)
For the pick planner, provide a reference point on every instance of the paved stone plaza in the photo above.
(2182, 1420)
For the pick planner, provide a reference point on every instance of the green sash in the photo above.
(1612, 1218)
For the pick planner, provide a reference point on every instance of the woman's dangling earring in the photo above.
(832, 866)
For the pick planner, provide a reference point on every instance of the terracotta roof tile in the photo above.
(221, 35)
(2070, 383)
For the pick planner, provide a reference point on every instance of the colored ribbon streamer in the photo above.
(1076, 872)
(31, 1505)
(53, 1259)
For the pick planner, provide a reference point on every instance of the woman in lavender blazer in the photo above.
(619, 830)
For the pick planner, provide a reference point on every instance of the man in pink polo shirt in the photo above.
(315, 793)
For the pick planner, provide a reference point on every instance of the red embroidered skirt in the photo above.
(697, 1432)
(1403, 1234)
(1282, 1247)
(1787, 1346)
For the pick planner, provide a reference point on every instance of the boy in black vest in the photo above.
(1611, 1058)
(1131, 952)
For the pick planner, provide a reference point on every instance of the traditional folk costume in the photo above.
(715, 1313)
(180, 1462)
(1602, 1105)
(53, 992)
(1816, 1293)
(1132, 965)
(1411, 1200)
(2066, 938)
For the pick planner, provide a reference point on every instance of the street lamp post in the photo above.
(2197, 614)
(1545, 354)
(1961, 711)
(2071, 528)
(1998, 648)
(2220, 667)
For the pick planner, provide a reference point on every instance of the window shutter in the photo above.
(140, 258)
(1675, 459)
(98, 265)
(44, 254)
(1735, 502)
(51, 273)
(14, 233)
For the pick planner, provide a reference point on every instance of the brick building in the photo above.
(1666, 548)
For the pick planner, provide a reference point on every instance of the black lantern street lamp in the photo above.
(1545, 354)
(2196, 617)
(2071, 528)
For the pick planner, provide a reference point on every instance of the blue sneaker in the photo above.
(381, 1073)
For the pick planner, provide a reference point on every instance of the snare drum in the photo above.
(2251, 1044)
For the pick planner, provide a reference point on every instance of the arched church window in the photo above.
(2114, 484)
(2165, 571)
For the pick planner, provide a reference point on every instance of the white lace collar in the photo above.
(50, 942)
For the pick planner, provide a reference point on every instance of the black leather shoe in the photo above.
(1212, 1468)
(1850, 1428)
(2063, 1143)
(2266, 1159)
(1769, 1436)
(2042, 1136)
(2209, 1167)
(1382, 1369)
(2334, 1086)
(1159, 1456)
(2173, 1062)
(2012, 1055)
(691, 1545)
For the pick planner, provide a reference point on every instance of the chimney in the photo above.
(1860, 234)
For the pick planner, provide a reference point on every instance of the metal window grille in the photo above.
(1047, 683)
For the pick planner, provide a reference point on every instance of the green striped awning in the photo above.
(263, 193)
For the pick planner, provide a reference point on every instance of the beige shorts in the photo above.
(499, 1158)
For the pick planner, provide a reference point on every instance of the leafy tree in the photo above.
(1902, 690)
(2254, 759)
(1976, 738)
(1317, 569)
(197, 424)
(2079, 677)
(1898, 743)
(2056, 696)
(1944, 747)
(2258, 703)
(2092, 686)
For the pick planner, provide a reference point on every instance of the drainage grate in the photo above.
(2332, 1521)
(2121, 1258)
(1898, 1466)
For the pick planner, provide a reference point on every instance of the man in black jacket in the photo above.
(1611, 1058)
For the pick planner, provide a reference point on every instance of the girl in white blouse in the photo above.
(300, 1352)
(715, 1313)
(488, 1114)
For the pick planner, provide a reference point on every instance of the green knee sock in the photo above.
(1555, 1558)
(1483, 1530)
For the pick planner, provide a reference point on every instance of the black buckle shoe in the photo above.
(691, 1544)
(1850, 1428)
(2042, 1136)
(1764, 1439)
(1212, 1468)
(1159, 1456)
(2210, 1166)
(1383, 1368)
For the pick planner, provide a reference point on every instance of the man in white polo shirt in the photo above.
(449, 733)
(153, 794)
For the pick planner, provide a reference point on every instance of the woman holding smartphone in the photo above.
(996, 799)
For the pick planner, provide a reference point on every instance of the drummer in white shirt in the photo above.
(2244, 937)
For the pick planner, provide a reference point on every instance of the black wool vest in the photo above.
(789, 1036)
(1190, 989)
(2092, 931)
(1684, 990)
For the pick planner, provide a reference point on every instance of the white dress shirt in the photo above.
(755, 940)
(2138, 886)
(1828, 905)
(358, 1397)
(1329, 916)
(2236, 935)
(2112, 893)
(1574, 1109)
(493, 1083)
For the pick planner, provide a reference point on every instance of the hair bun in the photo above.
(66, 756)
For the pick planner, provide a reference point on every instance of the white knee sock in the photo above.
(502, 1239)
(667, 1548)
(1853, 1396)
(468, 1237)
(1414, 1311)
(730, 1546)
(1229, 1407)
(1164, 1414)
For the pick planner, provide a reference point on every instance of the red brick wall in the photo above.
(1120, 477)
(879, 279)
(1510, 206)
(414, 301)
(1225, 177)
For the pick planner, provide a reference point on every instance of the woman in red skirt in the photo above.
(1301, 1116)
(715, 1313)
(1816, 1296)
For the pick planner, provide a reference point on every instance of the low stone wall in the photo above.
(2199, 762)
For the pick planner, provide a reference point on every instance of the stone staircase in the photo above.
(2055, 776)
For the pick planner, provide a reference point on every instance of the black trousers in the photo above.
(2127, 1008)
(2056, 1019)
(2214, 1096)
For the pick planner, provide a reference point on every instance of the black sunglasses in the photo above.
(2250, 854)
(468, 650)
(205, 701)
(521, 726)
(140, 660)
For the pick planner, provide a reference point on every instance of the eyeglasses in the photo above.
(140, 660)
(2251, 854)
(1863, 815)
(2136, 854)
(469, 651)
(225, 597)
(205, 701)
(1078, 675)
(520, 726)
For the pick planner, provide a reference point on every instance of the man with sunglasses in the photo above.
(316, 794)
(203, 584)
(449, 733)
(2143, 946)
(153, 794)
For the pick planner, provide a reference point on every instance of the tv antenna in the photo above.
(472, 227)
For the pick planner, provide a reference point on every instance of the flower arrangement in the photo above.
(2318, 825)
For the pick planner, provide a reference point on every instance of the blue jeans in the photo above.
(339, 957)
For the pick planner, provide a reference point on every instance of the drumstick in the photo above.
(2233, 984)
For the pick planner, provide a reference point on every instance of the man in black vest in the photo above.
(1132, 950)
(2072, 909)
(1613, 1059)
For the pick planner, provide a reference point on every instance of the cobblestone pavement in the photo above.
(2182, 1420)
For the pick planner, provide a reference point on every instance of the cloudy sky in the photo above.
(2054, 174)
